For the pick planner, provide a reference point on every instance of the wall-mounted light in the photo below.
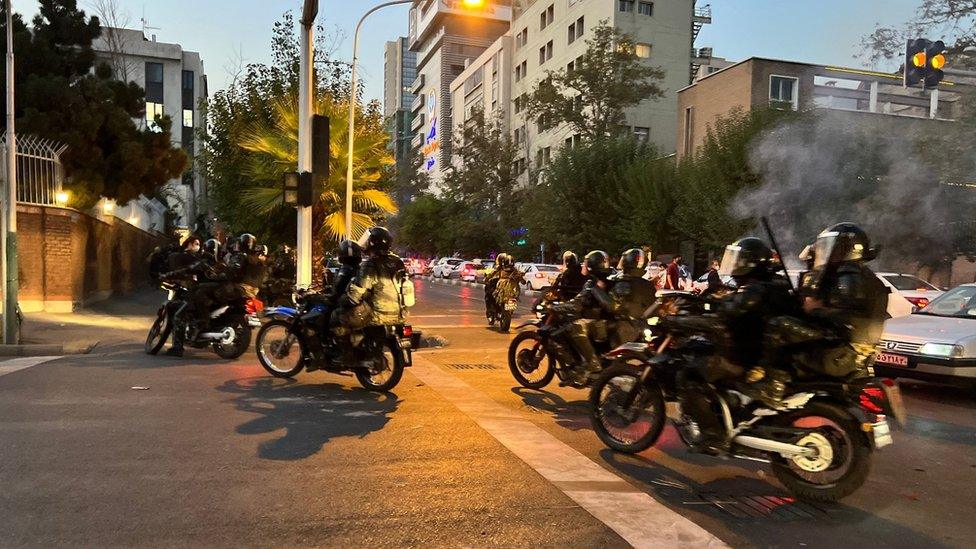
(61, 198)
(108, 206)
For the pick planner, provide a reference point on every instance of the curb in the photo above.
(31, 350)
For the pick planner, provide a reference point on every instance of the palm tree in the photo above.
(274, 149)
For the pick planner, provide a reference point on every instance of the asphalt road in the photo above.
(219, 454)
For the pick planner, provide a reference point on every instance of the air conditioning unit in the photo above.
(705, 53)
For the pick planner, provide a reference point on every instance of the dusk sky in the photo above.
(223, 31)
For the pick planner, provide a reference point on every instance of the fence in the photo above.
(40, 174)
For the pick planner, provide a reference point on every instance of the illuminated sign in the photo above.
(431, 143)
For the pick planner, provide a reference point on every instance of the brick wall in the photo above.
(67, 258)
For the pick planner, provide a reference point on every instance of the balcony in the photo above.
(417, 141)
(417, 102)
(417, 84)
(418, 121)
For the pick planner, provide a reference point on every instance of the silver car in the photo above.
(937, 343)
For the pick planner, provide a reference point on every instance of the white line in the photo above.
(15, 364)
(637, 517)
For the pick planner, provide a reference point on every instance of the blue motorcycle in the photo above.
(298, 338)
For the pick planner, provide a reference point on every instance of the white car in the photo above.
(539, 275)
(915, 290)
(937, 343)
(444, 267)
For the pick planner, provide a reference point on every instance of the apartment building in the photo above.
(485, 86)
(760, 83)
(446, 36)
(175, 82)
(552, 34)
(400, 70)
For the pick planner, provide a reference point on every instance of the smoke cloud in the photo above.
(824, 168)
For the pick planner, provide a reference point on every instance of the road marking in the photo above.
(16, 364)
(634, 515)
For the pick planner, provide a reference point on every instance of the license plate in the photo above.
(511, 306)
(894, 360)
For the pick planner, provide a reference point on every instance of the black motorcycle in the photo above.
(229, 332)
(296, 339)
(818, 440)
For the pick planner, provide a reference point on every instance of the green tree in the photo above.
(63, 94)
(953, 21)
(591, 98)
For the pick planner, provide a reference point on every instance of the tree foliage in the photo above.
(252, 140)
(591, 98)
(64, 94)
(953, 21)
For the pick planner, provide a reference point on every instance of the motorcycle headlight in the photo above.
(942, 350)
(648, 335)
(653, 321)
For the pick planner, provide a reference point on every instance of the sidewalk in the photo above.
(115, 320)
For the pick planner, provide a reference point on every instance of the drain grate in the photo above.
(472, 366)
(753, 507)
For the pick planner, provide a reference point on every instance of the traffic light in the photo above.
(934, 61)
(924, 60)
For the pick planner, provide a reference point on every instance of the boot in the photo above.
(176, 349)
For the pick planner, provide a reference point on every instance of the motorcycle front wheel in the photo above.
(634, 428)
(240, 343)
(843, 458)
(529, 361)
(158, 333)
(385, 372)
(280, 351)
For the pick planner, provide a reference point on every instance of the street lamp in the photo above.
(465, 4)
(303, 250)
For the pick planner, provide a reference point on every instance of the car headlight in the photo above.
(941, 349)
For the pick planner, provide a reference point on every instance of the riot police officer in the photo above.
(380, 280)
(350, 257)
(632, 294)
(502, 284)
(595, 306)
(570, 282)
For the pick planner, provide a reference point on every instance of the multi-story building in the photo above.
(175, 82)
(709, 64)
(552, 34)
(400, 70)
(758, 83)
(446, 37)
(485, 86)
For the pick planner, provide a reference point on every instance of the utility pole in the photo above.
(306, 91)
(10, 326)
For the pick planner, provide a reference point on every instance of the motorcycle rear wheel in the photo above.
(640, 428)
(528, 360)
(158, 333)
(848, 446)
(275, 343)
(242, 340)
(505, 322)
(388, 375)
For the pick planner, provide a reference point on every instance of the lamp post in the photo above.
(306, 89)
(10, 279)
(465, 4)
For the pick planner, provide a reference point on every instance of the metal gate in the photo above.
(40, 174)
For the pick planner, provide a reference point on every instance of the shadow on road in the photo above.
(307, 416)
(571, 415)
(756, 509)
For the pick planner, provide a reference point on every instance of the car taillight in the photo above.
(919, 302)
(869, 397)
(540, 275)
(407, 331)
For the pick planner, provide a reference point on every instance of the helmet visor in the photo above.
(824, 249)
(734, 262)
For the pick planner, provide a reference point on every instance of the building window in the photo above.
(546, 17)
(571, 34)
(154, 82)
(519, 103)
(153, 111)
(570, 67)
(782, 90)
(645, 8)
(519, 135)
(545, 53)
(689, 135)
(522, 38)
(521, 71)
(627, 5)
(642, 50)
(579, 28)
(187, 89)
(642, 133)
(187, 118)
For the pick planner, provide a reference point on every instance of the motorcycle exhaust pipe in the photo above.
(766, 445)
(211, 335)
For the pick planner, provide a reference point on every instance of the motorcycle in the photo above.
(296, 339)
(536, 356)
(229, 334)
(818, 440)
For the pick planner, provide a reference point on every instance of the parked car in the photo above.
(485, 268)
(415, 267)
(701, 283)
(915, 290)
(464, 271)
(937, 343)
(444, 267)
(539, 275)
